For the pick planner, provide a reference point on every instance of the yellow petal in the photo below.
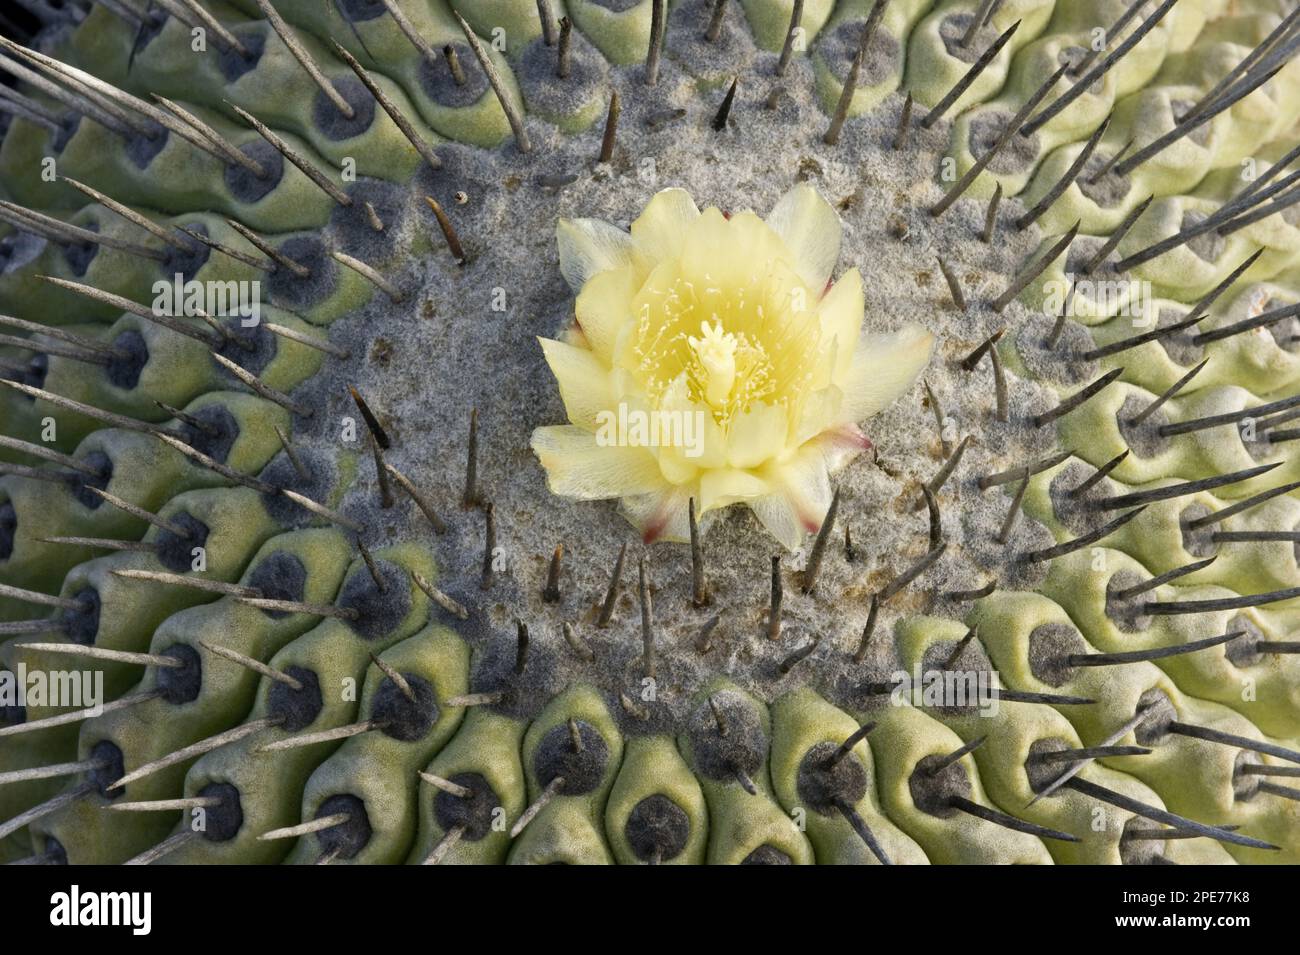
(757, 435)
(661, 229)
(802, 500)
(677, 433)
(578, 466)
(807, 484)
(675, 467)
(664, 515)
(819, 411)
(713, 446)
(588, 247)
(884, 366)
(840, 445)
(729, 253)
(811, 230)
(841, 317)
(604, 308)
(584, 382)
(704, 443)
(718, 488)
(778, 518)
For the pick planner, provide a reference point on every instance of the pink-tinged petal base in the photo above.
(663, 516)
(803, 499)
(842, 444)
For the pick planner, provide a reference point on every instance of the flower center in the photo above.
(730, 364)
(716, 352)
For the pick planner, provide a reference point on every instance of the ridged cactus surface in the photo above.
(971, 330)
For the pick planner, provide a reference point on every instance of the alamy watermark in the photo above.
(77, 908)
(216, 299)
(638, 428)
(1117, 298)
(77, 689)
(950, 689)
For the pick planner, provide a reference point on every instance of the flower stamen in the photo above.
(716, 352)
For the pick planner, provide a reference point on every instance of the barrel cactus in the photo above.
(650, 432)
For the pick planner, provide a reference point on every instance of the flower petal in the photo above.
(884, 366)
(588, 247)
(660, 230)
(777, 516)
(706, 443)
(819, 411)
(660, 516)
(801, 503)
(841, 445)
(721, 487)
(691, 437)
(723, 253)
(604, 308)
(807, 484)
(578, 466)
(812, 232)
(757, 435)
(841, 313)
(584, 382)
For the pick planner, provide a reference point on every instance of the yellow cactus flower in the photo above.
(714, 359)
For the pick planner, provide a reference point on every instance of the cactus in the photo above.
(382, 381)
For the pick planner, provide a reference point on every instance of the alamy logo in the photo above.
(229, 299)
(1117, 298)
(78, 689)
(634, 428)
(946, 688)
(74, 907)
